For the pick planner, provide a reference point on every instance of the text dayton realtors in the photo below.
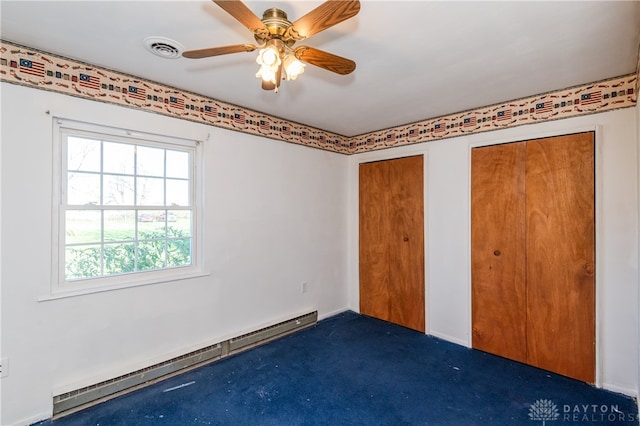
(595, 413)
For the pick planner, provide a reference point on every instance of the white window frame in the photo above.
(61, 287)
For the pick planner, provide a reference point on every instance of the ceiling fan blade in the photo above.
(243, 14)
(217, 51)
(325, 60)
(322, 17)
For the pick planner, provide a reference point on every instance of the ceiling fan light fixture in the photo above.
(268, 57)
(270, 61)
(267, 73)
(292, 66)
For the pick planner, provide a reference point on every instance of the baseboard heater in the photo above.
(73, 401)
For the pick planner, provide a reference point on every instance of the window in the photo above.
(126, 207)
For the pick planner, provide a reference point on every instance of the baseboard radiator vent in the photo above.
(76, 400)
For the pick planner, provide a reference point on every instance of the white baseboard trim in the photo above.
(619, 389)
(332, 313)
(33, 419)
(448, 338)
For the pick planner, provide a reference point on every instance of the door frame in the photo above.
(389, 155)
(598, 206)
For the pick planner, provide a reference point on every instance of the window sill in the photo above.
(63, 294)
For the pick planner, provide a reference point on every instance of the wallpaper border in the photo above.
(591, 98)
(29, 67)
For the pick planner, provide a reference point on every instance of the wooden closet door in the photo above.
(392, 241)
(533, 253)
(560, 249)
(498, 250)
(375, 226)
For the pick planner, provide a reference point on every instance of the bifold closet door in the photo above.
(533, 253)
(392, 241)
(498, 250)
(561, 255)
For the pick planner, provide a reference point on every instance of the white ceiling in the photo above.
(415, 59)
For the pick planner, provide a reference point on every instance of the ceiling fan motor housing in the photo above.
(277, 23)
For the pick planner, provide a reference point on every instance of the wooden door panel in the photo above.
(392, 241)
(498, 250)
(375, 291)
(406, 242)
(560, 248)
(374, 227)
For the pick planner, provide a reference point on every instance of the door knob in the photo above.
(588, 268)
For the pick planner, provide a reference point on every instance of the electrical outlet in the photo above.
(304, 287)
(4, 367)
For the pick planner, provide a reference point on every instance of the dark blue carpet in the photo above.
(355, 370)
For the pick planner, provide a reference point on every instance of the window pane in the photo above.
(82, 262)
(82, 226)
(119, 258)
(118, 158)
(153, 229)
(177, 192)
(178, 164)
(83, 154)
(151, 254)
(179, 252)
(119, 225)
(150, 192)
(116, 211)
(182, 225)
(118, 190)
(83, 188)
(150, 161)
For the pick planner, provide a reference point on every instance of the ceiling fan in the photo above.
(276, 35)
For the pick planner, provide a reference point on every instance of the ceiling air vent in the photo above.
(163, 47)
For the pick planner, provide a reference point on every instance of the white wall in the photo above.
(447, 234)
(275, 216)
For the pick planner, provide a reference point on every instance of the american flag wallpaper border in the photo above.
(620, 92)
(29, 67)
(33, 68)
